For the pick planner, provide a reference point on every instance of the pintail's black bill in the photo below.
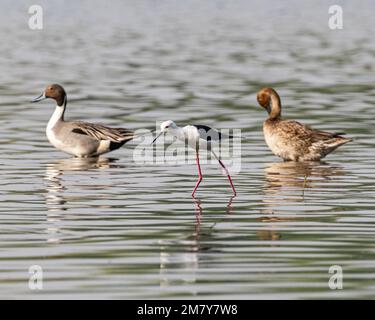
(40, 98)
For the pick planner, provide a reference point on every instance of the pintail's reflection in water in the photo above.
(184, 254)
(289, 187)
(56, 202)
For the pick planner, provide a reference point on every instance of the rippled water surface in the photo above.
(116, 228)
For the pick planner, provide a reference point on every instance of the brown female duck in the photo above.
(290, 139)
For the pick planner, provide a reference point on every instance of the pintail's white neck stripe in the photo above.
(57, 115)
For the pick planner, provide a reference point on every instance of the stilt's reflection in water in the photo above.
(55, 200)
(199, 211)
(198, 214)
(287, 184)
(179, 258)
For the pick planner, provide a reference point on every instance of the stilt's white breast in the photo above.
(192, 134)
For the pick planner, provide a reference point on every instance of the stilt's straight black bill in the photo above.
(40, 98)
(157, 137)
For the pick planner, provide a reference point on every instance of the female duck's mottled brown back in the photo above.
(290, 139)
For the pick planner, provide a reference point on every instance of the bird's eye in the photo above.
(167, 127)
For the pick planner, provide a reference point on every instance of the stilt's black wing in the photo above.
(209, 134)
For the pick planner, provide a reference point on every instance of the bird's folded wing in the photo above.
(303, 131)
(100, 132)
(209, 134)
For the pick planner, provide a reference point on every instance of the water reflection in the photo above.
(299, 175)
(182, 264)
(198, 208)
(286, 185)
(199, 213)
(55, 200)
(54, 171)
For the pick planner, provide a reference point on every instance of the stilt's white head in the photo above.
(165, 127)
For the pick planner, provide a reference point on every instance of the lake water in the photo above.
(115, 228)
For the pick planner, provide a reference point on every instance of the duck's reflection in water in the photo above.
(55, 200)
(286, 185)
(179, 258)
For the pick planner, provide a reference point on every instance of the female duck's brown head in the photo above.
(270, 100)
(53, 91)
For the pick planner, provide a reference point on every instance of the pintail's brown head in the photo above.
(269, 99)
(53, 91)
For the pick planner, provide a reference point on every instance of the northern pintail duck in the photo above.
(81, 139)
(197, 137)
(290, 139)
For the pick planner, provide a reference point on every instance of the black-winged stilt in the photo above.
(197, 137)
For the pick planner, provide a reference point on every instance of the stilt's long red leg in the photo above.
(199, 173)
(227, 173)
(229, 177)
